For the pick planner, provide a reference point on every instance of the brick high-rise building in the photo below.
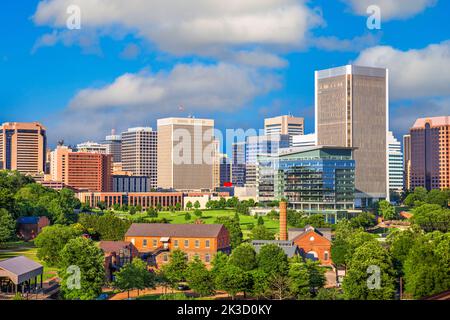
(430, 153)
(352, 110)
(82, 170)
(23, 147)
(186, 151)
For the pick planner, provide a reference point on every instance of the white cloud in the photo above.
(391, 9)
(258, 59)
(358, 43)
(138, 98)
(413, 73)
(191, 27)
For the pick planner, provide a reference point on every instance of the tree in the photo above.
(400, 243)
(426, 269)
(329, 294)
(81, 270)
(178, 206)
(152, 213)
(101, 205)
(431, 217)
(7, 226)
(244, 257)
(52, 240)
(198, 213)
(199, 278)
(187, 216)
(272, 260)
(189, 205)
(134, 275)
(418, 197)
(363, 220)
(234, 228)
(386, 210)
(132, 210)
(260, 232)
(158, 207)
(371, 274)
(232, 280)
(260, 221)
(197, 205)
(306, 278)
(176, 268)
(279, 286)
(105, 227)
(439, 197)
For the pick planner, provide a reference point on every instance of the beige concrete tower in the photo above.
(186, 151)
(23, 147)
(352, 110)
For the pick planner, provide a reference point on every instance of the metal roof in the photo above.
(20, 269)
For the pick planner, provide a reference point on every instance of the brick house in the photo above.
(28, 228)
(155, 241)
(117, 254)
(314, 243)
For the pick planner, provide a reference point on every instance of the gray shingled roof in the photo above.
(174, 230)
(20, 269)
(113, 246)
(289, 247)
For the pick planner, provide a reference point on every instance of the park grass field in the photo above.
(209, 217)
(27, 249)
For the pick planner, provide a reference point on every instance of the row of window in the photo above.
(207, 257)
(176, 243)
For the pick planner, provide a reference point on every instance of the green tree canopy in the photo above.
(81, 269)
(199, 278)
(244, 257)
(7, 226)
(260, 232)
(134, 275)
(431, 217)
(176, 268)
(52, 240)
(371, 274)
(272, 260)
(234, 228)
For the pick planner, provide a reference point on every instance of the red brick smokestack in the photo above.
(283, 220)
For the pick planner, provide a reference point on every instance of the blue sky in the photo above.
(238, 62)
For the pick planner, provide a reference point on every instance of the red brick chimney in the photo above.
(283, 221)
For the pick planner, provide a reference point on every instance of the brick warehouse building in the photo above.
(156, 241)
(314, 243)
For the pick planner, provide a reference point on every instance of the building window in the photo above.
(155, 243)
(197, 243)
(186, 243)
(175, 243)
(144, 243)
(165, 257)
(207, 244)
(207, 258)
(325, 255)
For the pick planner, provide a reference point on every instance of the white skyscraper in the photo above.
(395, 163)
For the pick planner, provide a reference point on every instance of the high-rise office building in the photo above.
(139, 153)
(352, 109)
(23, 147)
(113, 144)
(395, 164)
(225, 170)
(407, 161)
(261, 145)
(89, 171)
(287, 124)
(314, 178)
(216, 164)
(92, 147)
(306, 140)
(430, 153)
(238, 164)
(185, 153)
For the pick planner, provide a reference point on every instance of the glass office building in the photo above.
(311, 179)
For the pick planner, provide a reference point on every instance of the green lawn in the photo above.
(27, 249)
(209, 217)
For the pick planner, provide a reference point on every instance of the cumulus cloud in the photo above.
(404, 115)
(413, 73)
(139, 98)
(332, 43)
(391, 9)
(192, 27)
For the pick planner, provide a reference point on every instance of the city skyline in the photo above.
(82, 65)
